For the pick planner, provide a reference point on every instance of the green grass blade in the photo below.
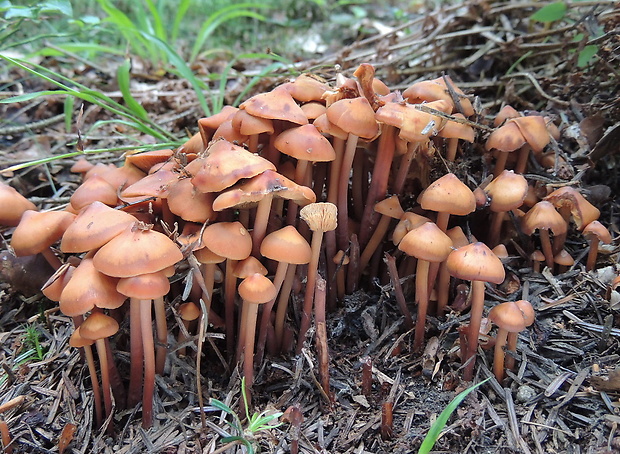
(433, 433)
(178, 18)
(159, 29)
(219, 17)
(184, 70)
(68, 108)
(124, 82)
(127, 27)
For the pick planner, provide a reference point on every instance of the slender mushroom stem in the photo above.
(285, 293)
(317, 239)
(261, 221)
(162, 334)
(105, 376)
(421, 295)
(545, 244)
(342, 232)
(475, 320)
(90, 361)
(511, 346)
(592, 253)
(278, 280)
(136, 354)
(149, 363)
(499, 355)
(374, 242)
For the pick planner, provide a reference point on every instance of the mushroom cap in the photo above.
(57, 282)
(93, 227)
(89, 288)
(426, 242)
(448, 194)
(456, 130)
(476, 262)
(408, 221)
(341, 258)
(156, 184)
(415, 125)
(436, 89)
(286, 245)
(355, 116)
(277, 104)
(248, 266)
(208, 125)
(37, 231)
(320, 216)
(563, 258)
(228, 239)
(390, 207)
(458, 237)
(507, 137)
(507, 191)
(145, 286)
(257, 289)
(189, 311)
(324, 126)
(513, 316)
(306, 88)
(313, 109)
(543, 215)
(137, 251)
(534, 130)
(223, 165)
(98, 326)
(13, 205)
(186, 201)
(146, 160)
(583, 212)
(205, 255)
(506, 113)
(95, 189)
(257, 188)
(305, 143)
(249, 125)
(598, 230)
(77, 341)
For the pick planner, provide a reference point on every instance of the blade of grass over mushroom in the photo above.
(146, 126)
(435, 431)
(124, 79)
(219, 17)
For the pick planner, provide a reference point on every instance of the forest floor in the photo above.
(563, 398)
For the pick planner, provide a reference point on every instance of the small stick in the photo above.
(321, 335)
(398, 290)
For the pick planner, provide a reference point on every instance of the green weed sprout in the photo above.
(433, 433)
(255, 423)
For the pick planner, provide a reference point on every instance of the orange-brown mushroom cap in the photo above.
(98, 326)
(286, 245)
(476, 262)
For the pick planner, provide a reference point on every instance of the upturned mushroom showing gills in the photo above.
(478, 264)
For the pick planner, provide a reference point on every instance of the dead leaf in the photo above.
(66, 437)
(609, 383)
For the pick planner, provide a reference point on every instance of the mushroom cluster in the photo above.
(298, 184)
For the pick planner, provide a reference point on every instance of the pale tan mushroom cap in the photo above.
(543, 215)
(448, 194)
(228, 239)
(595, 228)
(145, 286)
(426, 242)
(513, 316)
(583, 212)
(37, 231)
(507, 191)
(98, 326)
(286, 245)
(320, 216)
(476, 262)
(277, 104)
(257, 289)
(13, 205)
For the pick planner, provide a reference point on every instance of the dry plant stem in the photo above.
(367, 376)
(321, 335)
(334, 171)
(285, 293)
(136, 354)
(51, 258)
(498, 356)
(317, 239)
(475, 320)
(105, 378)
(386, 420)
(265, 320)
(421, 295)
(260, 223)
(149, 363)
(511, 346)
(592, 254)
(443, 288)
(375, 240)
(15, 402)
(162, 334)
(398, 290)
(379, 182)
(403, 169)
(183, 338)
(230, 282)
(340, 281)
(204, 317)
(90, 362)
(6, 438)
(547, 249)
(342, 231)
(358, 179)
(330, 250)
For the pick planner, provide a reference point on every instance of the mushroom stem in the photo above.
(51, 258)
(497, 219)
(545, 244)
(162, 334)
(149, 363)
(499, 355)
(334, 171)
(136, 354)
(90, 361)
(475, 320)
(511, 346)
(230, 282)
(500, 163)
(374, 242)
(421, 295)
(379, 182)
(443, 288)
(285, 293)
(398, 290)
(403, 168)
(592, 253)
(451, 149)
(249, 327)
(105, 377)
(317, 239)
(260, 223)
(342, 231)
(265, 320)
(524, 153)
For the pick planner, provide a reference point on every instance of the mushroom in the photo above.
(77, 341)
(188, 312)
(595, 233)
(320, 217)
(388, 209)
(475, 262)
(428, 243)
(13, 205)
(507, 192)
(511, 318)
(447, 195)
(543, 217)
